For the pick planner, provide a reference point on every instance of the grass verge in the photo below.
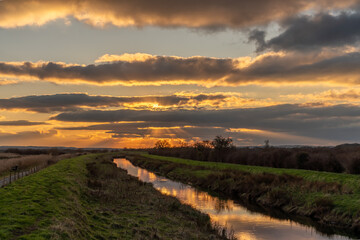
(87, 197)
(330, 199)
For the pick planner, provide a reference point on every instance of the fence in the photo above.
(17, 174)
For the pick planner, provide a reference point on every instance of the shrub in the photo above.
(302, 159)
(333, 165)
(354, 167)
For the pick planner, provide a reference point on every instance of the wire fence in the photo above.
(15, 175)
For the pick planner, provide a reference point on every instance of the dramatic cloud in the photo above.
(328, 67)
(238, 116)
(335, 123)
(78, 101)
(152, 130)
(313, 33)
(20, 123)
(20, 137)
(153, 70)
(210, 14)
(52, 137)
(313, 63)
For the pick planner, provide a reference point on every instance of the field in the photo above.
(332, 199)
(87, 197)
(343, 158)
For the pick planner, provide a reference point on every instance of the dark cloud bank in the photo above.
(289, 68)
(20, 123)
(313, 33)
(75, 101)
(208, 14)
(336, 123)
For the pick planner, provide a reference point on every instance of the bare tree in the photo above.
(220, 143)
(267, 143)
(161, 144)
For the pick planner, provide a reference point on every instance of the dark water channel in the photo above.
(247, 225)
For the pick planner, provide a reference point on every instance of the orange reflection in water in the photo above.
(245, 224)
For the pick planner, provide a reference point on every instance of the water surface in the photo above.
(246, 225)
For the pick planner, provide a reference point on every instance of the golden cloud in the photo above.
(329, 97)
(164, 13)
(74, 101)
(143, 69)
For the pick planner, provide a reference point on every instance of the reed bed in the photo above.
(8, 155)
(24, 162)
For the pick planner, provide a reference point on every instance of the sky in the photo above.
(106, 73)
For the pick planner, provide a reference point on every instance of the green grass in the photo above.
(87, 197)
(29, 206)
(350, 180)
(306, 196)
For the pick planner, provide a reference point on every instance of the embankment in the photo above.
(330, 199)
(88, 197)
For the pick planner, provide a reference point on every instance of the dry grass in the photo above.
(8, 155)
(28, 161)
(24, 162)
(139, 207)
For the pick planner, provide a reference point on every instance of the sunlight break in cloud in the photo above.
(75, 101)
(333, 123)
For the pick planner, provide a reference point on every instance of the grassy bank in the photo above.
(87, 197)
(329, 198)
(26, 162)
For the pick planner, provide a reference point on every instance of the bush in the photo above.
(354, 167)
(302, 159)
(333, 165)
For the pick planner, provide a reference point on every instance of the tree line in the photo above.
(339, 159)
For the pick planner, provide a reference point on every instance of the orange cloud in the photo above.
(126, 57)
(187, 13)
(328, 97)
(143, 69)
(74, 101)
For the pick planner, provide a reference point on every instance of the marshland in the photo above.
(134, 195)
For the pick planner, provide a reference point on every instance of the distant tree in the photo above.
(302, 159)
(220, 143)
(222, 146)
(333, 165)
(203, 149)
(183, 144)
(203, 145)
(161, 144)
(267, 143)
(354, 167)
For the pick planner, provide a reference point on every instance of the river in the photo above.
(246, 225)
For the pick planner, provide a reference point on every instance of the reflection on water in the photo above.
(246, 225)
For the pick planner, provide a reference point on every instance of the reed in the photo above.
(24, 162)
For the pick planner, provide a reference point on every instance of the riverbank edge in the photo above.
(343, 224)
(88, 197)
